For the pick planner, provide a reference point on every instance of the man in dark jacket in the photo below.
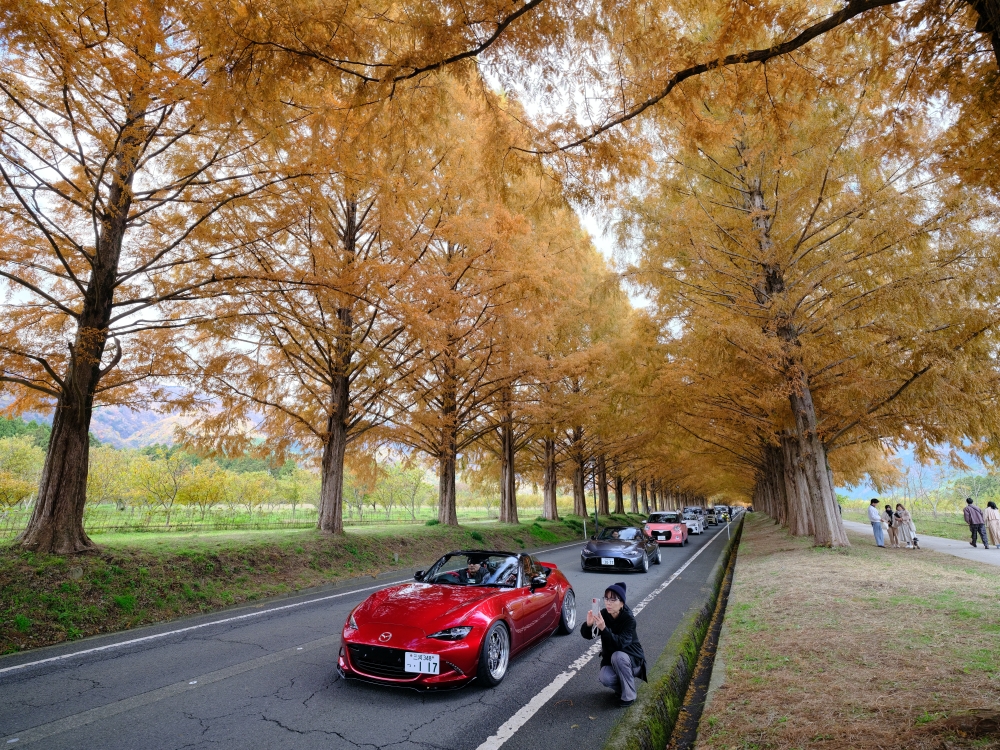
(622, 659)
(977, 524)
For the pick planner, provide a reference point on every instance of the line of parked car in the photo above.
(467, 615)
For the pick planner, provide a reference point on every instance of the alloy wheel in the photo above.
(498, 653)
(569, 611)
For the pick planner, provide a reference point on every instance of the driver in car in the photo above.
(474, 573)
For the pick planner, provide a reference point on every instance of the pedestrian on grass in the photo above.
(622, 658)
(906, 527)
(875, 517)
(977, 523)
(992, 516)
(888, 521)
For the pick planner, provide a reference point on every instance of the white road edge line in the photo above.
(144, 639)
(509, 728)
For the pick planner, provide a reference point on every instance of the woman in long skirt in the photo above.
(992, 518)
(907, 530)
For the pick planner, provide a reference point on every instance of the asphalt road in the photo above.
(266, 678)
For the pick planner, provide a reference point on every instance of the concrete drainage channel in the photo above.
(668, 708)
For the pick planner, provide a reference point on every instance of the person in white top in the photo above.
(876, 518)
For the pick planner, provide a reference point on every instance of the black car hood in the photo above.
(609, 545)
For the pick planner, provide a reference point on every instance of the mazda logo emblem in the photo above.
(385, 637)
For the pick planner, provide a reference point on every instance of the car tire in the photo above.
(567, 615)
(645, 563)
(494, 655)
(656, 560)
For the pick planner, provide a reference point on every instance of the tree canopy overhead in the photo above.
(350, 225)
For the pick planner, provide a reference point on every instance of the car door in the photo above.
(539, 605)
(512, 601)
(651, 545)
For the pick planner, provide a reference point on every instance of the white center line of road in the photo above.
(188, 629)
(509, 728)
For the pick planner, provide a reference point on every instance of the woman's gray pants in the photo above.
(620, 676)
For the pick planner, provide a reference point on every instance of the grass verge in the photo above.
(648, 724)
(141, 579)
(855, 648)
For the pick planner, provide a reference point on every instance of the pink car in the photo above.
(667, 527)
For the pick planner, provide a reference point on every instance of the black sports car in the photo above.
(620, 548)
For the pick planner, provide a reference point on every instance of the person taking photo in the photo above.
(622, 658)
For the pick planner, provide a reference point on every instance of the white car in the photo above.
(694, 523)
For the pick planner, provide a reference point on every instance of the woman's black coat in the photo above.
(618, 635)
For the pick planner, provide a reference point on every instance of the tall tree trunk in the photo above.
(634, 487)
(579, 472)
(645, 498)
(602, 485)
(56, 524)
(331, 494)
(549, 487)
(828, 528)
(448, 449)
(447, 510)
(508, 479)
(619, 494)
(799, 509)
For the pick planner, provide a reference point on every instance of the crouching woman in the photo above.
(622, 659)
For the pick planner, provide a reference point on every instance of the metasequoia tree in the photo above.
(118, 157)
(317, 338)
(838, 269)
(476, 265)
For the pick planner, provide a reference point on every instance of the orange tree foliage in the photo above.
(119, 159)
(827, 285)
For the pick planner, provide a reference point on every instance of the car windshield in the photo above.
(664, 518)
(475, 569)
(626, 534)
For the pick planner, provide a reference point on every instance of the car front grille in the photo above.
(595, 562)
(663, 536)
(379, 661)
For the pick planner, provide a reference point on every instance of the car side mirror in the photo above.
(538, 582)
(418, 576)
(593, 536)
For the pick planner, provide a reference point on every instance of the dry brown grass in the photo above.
(859, 648)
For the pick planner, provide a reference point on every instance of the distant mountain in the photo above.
(910, 465)
(124, 428)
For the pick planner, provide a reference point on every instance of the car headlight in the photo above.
(452, 634)
(351, 622)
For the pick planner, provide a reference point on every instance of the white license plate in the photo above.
(422, 663)
(607, 561)
(661, 536)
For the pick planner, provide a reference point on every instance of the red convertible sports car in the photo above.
(462, 619)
